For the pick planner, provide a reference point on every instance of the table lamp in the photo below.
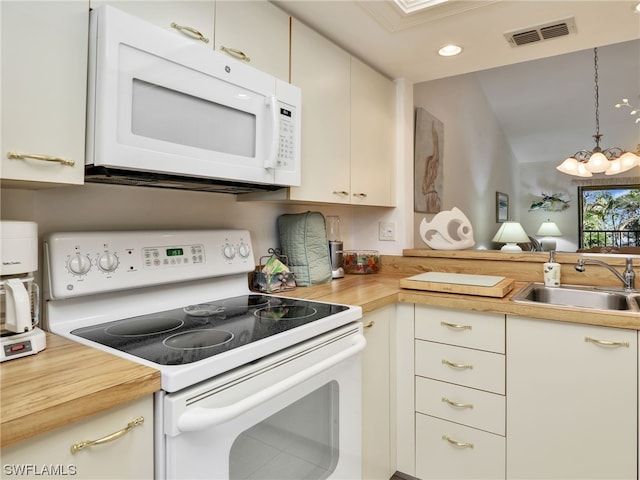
(548, 230)
(511, 233)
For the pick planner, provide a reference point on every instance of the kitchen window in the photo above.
(609, 216)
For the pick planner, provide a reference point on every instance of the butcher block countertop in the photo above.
(68, 381)
(377, 290)
(64, 383)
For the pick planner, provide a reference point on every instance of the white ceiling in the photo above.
(542, 93)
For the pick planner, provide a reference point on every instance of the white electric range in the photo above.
(179, 301)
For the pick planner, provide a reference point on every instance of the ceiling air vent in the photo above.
(540, 33)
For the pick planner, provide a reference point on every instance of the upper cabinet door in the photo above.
(372, 137)
(255, 32)
(322, 71)
(193, 19)
(44, 89)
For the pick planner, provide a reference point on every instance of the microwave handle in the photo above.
(270, 162)
(199, 418)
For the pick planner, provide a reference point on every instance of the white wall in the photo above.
(477, 158)
(542, 177)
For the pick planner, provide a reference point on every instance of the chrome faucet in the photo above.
(628, 278)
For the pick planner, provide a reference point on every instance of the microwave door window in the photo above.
(172, 116)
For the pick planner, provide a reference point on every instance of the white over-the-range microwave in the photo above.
(164, 111)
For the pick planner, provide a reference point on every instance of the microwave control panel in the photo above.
(98, 262)
(287, 149)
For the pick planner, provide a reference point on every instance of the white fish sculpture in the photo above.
(448, 230)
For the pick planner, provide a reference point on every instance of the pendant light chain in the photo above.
(595, 66)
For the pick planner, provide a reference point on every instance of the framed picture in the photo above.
(502, 207)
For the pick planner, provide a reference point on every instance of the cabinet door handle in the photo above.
(606, 343)
(44, 158)
(341, 193)
(455, 326)
(461, 366)
(76, 447)
(360, 195)
(235, 53)
(370, 324)
(190, 31)
(457, 444)
(456, 404)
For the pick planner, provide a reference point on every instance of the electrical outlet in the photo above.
(387, 231)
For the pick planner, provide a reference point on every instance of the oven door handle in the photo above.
(200, 418)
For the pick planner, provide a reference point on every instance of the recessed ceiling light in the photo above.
(637, 9)
(450, 50)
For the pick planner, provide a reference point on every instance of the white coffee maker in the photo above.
(19, 293)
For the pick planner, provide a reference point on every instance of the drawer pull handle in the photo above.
(456, 404)
(190, 31)
(239, 54)
(455, 326)
(606, 343)
(44, 158)
(457, 444)
(462, 366)
(76, 447)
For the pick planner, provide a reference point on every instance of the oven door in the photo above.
(159, 103)
(295, 414)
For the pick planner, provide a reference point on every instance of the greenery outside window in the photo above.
(609, 216)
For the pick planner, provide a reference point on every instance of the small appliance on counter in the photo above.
(335, 246)
(19, 294)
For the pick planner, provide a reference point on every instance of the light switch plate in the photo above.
(387, 231)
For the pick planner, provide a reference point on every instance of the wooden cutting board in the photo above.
(467, 284)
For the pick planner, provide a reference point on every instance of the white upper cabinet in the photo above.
(372, 137)
(44, 89)
(348, 124)
(193, 19)
(322, 71)
(255, 32)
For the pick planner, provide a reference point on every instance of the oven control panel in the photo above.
(85, 263)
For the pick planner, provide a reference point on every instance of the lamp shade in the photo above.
(549, 229)
(511, 233)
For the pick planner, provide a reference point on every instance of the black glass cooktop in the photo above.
(195, 332)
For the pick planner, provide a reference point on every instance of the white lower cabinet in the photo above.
(572, 404)
(447, 450)
(377, 462)
(459, 394)
(128, 456)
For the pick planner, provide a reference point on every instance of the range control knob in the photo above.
(228, 251)
(79, 264)
(108, 262)
(244, 250)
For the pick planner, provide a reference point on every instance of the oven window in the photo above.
(176, 117)
(300, 441)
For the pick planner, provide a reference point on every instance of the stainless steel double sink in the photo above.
(592, 298)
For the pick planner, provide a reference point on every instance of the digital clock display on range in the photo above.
(174, 252)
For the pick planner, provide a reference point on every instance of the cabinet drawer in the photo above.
(480, 330)
(464, 405)
(462, 366)
(127, 457)
(446, 450)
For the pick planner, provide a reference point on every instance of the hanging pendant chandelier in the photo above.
(610, 161)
